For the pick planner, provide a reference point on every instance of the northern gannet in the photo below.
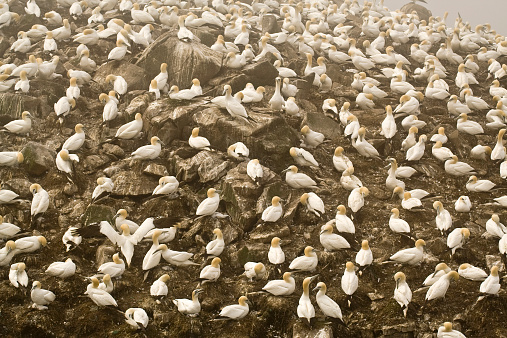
(362, 146)
(135, 316)
(397, 224)
(463, 204)
(210, 273)
(410, 256)
(62, 269)
(120, 218)
(275, 253)
(7, 230)
(340, 161)
(148, 152)
(130, 129)
(356, 198)
(41, 297)
(118, 52)
(308, 262)
(236, 311)
(277, 102)
(198, 142)
(443, 218)
(475, 185)
(209, 206)
(457, 238)
(159, 287)
(364, 256)
(152, 257)
(119, 83)
(305, 307)
(454, 167)
(126, 241)
(441, 153)
(313, 203)
(116, 268)
(104, 185)
(349, 181)
(71, 239)
(234, 107)
(283, 287)
(311, 138)
(106, 284)
(40, 200)
(99, 296)
(167, 185)
(254, 270)
(17, 275)
(63, 107)
(472, 273)
(238, 151)
(343, 222)
(494, 227)
(440, 287)
(7, 252)
(184, 33)
(23, 83)
(330, 241)
(10, 158)
(22, 126)
(298, 180)
(75, 142)
(178, 258)
(440, 270)
(65, 161)
(446, 331)
(254, 170)
(189, 307)
(491, 285)
(402, 292)
(216, 246)
(349, 281)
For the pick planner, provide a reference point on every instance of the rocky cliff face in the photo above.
(373, 311)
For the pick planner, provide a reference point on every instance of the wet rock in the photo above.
(4, 44)
(300, 330)
(104, 254)
(70, 189)
(205, 166)
(240, 194)
(134, 75)
(130, 183)
(19, 186)
(185, 60)
(94, 162)
(325, 125)
(113, 150)
(267, 231)
(495, 260)
(268, 134)
(261, 73)
(14, 104)
(137, 105)
(38, 158)
(269, 24)
(400, 330)
(96, 213)
(155, 170)
(422, 12)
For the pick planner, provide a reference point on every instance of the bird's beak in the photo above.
(316, 288)
(322, 232)
(313, 278)
(218, 191)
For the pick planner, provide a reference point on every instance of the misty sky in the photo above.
(474, 11)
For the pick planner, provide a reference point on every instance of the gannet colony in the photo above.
(212, 168)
